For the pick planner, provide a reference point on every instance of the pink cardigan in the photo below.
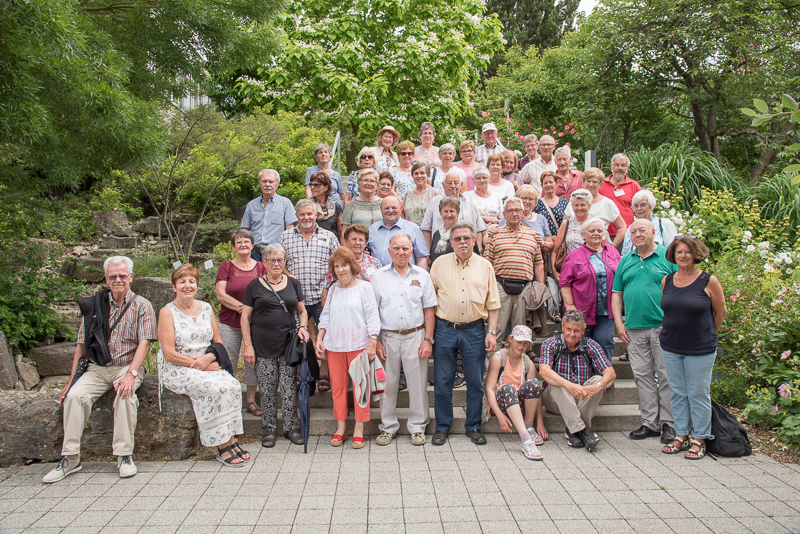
(577, 272)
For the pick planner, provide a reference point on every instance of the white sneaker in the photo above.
(126, 466)
(537, 439)
(530, 451)
(62, 469)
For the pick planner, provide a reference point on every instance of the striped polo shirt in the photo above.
(513, 253)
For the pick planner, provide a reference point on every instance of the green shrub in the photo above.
(779, 200)
(731, 389)
(779, 409)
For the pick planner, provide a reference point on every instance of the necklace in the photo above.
(278, 281)
(687, 279)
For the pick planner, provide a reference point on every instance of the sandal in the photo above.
(338, 439)
(232, 457)
(254, 409)
(670, 448)
(697, 455)
(557, 318)
(294, 436)
(268, 441)
(358, 443)
(324, 383)
(243, 454)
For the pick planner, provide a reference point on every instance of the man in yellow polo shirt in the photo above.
(466, 290)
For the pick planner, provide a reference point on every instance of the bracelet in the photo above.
(302, 326)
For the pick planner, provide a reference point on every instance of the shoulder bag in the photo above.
(293, 351)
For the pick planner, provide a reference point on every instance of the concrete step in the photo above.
(623, 392)
(609, 418)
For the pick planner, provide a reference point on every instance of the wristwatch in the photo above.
(493, 332)
(134, 373)
(429, 340)
(374, 336)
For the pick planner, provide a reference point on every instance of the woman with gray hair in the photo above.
(447, 153)
(367, 159)
(267, 325)
(489, 203)
(426, 152)
(323, 155)
(531, 144)
(643, 204)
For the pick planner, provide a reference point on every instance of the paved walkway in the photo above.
(624, 486)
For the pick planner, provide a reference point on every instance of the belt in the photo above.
(410, 330)
(461, 326)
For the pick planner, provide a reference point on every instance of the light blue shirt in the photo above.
(380, 234)
(401, 300)
(336, 184)
(267, 223)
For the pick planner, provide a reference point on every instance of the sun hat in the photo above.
(385, 129)
(488, 126)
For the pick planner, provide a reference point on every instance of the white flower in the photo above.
(750, 249)
(665, 204)
(788, 259)
(764, 245)
(769, 268)
(672, 213)
(789, 271)
(748, 235)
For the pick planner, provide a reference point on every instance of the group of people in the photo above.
(419, 257)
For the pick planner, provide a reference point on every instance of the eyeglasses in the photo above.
(366, 157)
(462, 239)
(681, 236)
(547, 144)
(275, 261)
(115, 277)
(466, 151)
(406, 153)
(515, 210)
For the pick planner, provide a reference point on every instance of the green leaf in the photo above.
(749, 112)
(761, 105)
(796, 273)
(788, 102)
(795, 146)
(796, 116)
(796, 180)
(792, 168)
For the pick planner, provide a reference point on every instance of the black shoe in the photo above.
(459, 382)
(432, 382)
(588, 438)
(439, 438)
(477, 437)
(643, 433)
(574, 440)
(667, 433)
(402, 385)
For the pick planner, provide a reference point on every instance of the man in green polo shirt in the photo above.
(637, 284)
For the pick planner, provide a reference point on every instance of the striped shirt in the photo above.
(483, 152)
(465, 291)
(513, 253)
(137, 325)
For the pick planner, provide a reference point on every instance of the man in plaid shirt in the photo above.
(577, 373)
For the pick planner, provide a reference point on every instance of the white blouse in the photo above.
(350, 317)
(488, 207)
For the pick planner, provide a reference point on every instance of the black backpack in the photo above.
(730, 437)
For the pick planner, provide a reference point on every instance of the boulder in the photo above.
(124, 231)
(149, 226)
(171, 432)
(53, 360)
(26, 372)
(31, 427)
(106, 221)
(88, 269)
(8, 367)
(119, 242)
(157, 290)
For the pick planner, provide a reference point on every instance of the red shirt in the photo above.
(622, 196)
(237, 281)
(573, 182)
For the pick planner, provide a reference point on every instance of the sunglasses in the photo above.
(367, 157)
(406, 153)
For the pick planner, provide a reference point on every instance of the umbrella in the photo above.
(307, 381)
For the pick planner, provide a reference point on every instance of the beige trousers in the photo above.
(512, 307)
(405, 349)
(577, 413)
(78, 406)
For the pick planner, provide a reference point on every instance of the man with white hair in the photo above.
(532, 172)
(490, 145)
(620, 189)
(113, 340)
(468, 211)
(268, 215)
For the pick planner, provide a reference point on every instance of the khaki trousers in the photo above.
(577, 413)
(655, 397)
(78, 406)
(405, 349)
(512, 307)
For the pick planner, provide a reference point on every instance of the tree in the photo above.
(703, 58)
(374, 62)
(84, 81)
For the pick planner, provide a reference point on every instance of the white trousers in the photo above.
(405, 349)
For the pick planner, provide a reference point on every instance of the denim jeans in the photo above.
(256, 254)
(690, 382)
(315, 311)
(472, 343)
(603, 333)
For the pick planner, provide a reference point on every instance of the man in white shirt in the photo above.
(469, 212)
(406, 303)
(531, 173)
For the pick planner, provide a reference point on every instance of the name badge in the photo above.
(619, 192)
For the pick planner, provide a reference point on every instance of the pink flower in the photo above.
(785, 354)
(776, 408)
(561, 134)
(19, 279)
(572, 131)
(566, 127)
(484, 114)
(738, 291)
(567, 144)
(521, 137)
(546, 130)
(529, 124)
(570, 125)
(552, 128)
(115, 209)
(516, 133)
(785, 391)
(734, 298)
(508, 121)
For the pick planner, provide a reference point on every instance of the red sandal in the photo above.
(338, 439)
(358, 443)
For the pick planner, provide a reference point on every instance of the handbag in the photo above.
(293, 351)
(559, 255)
(512, 287)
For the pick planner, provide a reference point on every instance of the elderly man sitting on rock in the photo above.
(113, 340)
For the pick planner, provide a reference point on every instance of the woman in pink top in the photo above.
(232, 279)
(467, 164)
(513, 391)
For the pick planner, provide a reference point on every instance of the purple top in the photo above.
(577, 272)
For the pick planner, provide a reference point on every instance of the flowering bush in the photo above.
(778, 408)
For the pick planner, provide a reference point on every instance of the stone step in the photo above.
(89, 269)
(114, 242)
(609, 418)
(623, 392)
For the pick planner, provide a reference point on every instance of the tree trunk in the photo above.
(781, 132)
(700, 129)
(352, 149)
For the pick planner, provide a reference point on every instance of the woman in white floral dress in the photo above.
(186, 329)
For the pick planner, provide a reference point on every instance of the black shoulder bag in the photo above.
(293, 351)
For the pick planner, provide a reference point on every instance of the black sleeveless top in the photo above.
(688, 326)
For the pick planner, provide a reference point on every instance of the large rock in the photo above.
(150, 226)
(113, 242)
(208, 235)
(88, 269)
(106, 221)
(8, 368)
(171, 432)
(31, 427)
(157, 290)
(53, 360)
(26, 372)
(124, 231)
